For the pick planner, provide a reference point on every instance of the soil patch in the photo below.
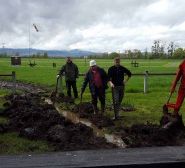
(33, 118)
(85, 110)
(151, 135)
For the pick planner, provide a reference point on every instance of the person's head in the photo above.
(68, 60)
(92, 64)
(117, 61)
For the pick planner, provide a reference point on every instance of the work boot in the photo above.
(102, 109)
(116, 115)
(95, 108)
(116, 111)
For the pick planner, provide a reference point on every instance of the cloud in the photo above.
(103, 25)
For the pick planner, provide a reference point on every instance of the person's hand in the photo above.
(111, 84)
(126, 80)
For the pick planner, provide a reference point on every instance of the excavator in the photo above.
(169, 120)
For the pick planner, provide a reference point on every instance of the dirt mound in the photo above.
(32, 117)
(61, 98)
(101, 121)
(152, 135)
(85, 110)
(3, 128)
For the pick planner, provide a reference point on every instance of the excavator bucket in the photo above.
(168, 120)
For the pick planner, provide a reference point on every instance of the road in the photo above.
(158, 157)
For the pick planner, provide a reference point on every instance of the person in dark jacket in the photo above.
(117, 81)
(70, 70)
(97, 79)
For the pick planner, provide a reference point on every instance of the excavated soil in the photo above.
(85, 110)
(140, 135)
(152, 135)
(30, 116)
(33, 118)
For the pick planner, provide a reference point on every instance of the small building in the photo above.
(15, 60)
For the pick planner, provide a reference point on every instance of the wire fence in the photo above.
(145, 75)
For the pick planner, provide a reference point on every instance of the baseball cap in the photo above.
(92, 63)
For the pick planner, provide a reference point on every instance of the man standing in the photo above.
(117, 81)
(97, 79)
(71, 72)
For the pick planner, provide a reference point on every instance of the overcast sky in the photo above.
(94, 25)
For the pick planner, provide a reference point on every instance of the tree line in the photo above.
(37, 55)
(159, 49)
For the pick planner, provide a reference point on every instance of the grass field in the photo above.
(149, 106)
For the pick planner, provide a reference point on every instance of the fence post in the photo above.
(14, 82)
(146, 82)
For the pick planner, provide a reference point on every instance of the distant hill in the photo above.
(51, 53)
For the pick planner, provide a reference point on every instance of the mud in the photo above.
(152, 135)
(31, 117)
(61, 98)
(3, 128)
(85, 110)
(141, 135)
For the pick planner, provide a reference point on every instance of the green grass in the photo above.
(11, 143)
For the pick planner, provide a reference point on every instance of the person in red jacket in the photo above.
(97, 79)
(180, 75)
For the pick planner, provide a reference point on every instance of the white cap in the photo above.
(92, 62)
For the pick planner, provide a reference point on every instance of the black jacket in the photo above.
(70, 70)
(116, 75)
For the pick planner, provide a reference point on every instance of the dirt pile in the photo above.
(32, 117)
(152, 135)
(140, 135)
(85, 110)
(3, 128)
(61, 98)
